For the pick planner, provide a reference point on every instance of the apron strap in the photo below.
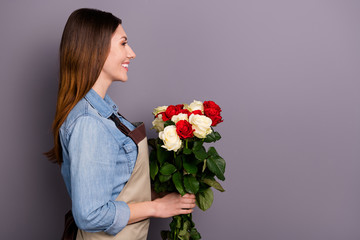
(120, 125)
(137, 135)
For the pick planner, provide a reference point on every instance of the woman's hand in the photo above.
(155, 195)
(174, 204)
(171, 204)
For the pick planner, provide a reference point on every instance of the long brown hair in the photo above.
(84, 47)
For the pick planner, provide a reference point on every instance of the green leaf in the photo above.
(210, 137)
(203, 186)
(164, 178)
(184, 235)
(191, 184)
(178, 182)
(189, 166)
(154, 169)
(207, 173)
(212, 152)
(167, 169)
(179, 162)
(157, 186)
(187, 151)
(200, 153)
(213, 183)
(205, 199)
(197, 145)
(163, 155)
(217, 136)
(194, 234)
(216, 165)
(186, 225)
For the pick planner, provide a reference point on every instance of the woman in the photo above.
(103, 157)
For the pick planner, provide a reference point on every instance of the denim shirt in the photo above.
(98, 160)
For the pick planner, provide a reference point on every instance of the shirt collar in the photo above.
(105, 107)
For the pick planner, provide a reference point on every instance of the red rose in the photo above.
(184, 129)
(179, 107)
(212, 111)
(214, 115)
(171, 111)
(185, 111)
(211, 104)
(197, 112)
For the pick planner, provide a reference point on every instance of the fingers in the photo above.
(188, 202)
(188, 206)
(174, 204)
(186, 211)
(188, 195)
(188, 199)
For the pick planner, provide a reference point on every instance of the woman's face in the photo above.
(117, 62)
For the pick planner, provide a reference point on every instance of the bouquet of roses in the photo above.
(180, 163)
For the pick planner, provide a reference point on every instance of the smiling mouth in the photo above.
(126, 66)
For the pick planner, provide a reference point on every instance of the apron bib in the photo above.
(137, 189)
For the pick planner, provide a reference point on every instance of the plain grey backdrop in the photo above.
(286, 74)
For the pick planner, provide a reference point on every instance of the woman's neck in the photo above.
(101, 86)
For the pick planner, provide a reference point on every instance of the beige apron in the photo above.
(137, 189)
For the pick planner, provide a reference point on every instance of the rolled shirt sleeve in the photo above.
(92, 153)
(122, 215)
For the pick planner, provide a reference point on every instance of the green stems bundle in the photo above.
(179, 161)
(191, 169)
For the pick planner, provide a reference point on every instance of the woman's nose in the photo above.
(131, 53)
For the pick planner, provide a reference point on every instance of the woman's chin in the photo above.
(123, 79)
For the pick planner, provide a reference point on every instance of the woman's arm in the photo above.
(170, 205)
(92, 151)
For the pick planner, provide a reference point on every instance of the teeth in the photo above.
(125, 65)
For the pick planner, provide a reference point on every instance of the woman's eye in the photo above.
(124, 43)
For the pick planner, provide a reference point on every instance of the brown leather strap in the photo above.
(120, 125)
(138, 134)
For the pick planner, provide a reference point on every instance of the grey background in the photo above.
(286, 74)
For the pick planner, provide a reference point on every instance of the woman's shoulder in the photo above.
(84, 116)
(81, 110)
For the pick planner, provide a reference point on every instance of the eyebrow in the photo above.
(124, 37)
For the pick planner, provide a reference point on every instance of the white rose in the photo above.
(201, 124)
(158, 123)
(159, 110)
(196, 105)
(170, 138)
(180, 116)
(186, 106)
